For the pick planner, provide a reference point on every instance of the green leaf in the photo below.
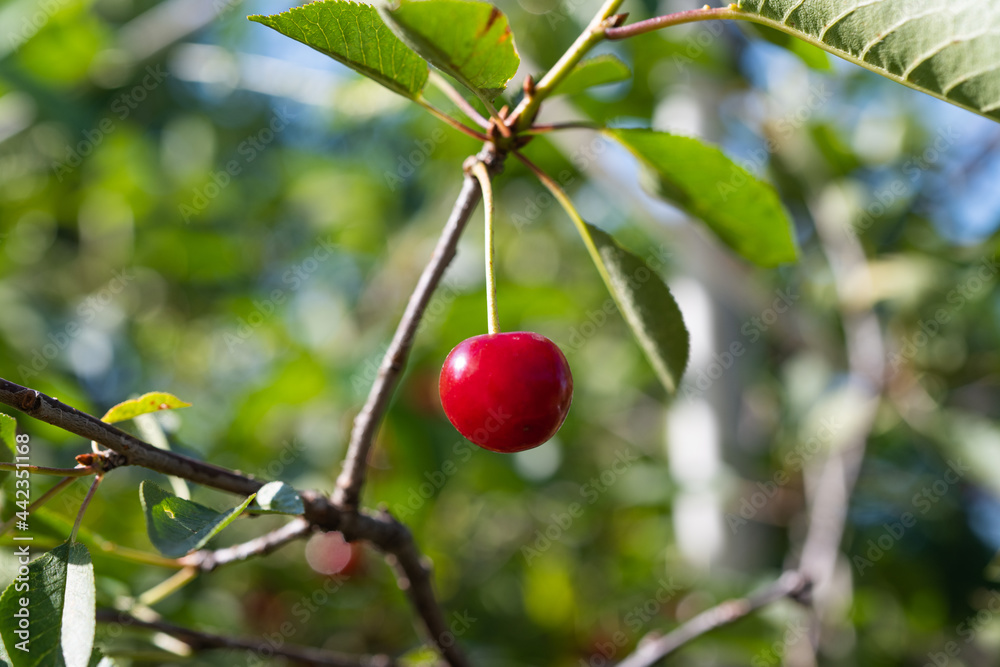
(469, 40)
(744, 212)
(60, 594)
(591, 72)
(277, 498)
(177, 526)
(151, 402)
(944, 48)
(356, 36)
(647, 305)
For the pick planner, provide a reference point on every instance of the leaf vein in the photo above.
(892, 29)
(843, 15)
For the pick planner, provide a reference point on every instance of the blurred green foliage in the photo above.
(212, 210)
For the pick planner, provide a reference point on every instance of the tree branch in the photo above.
(207, 560)
(352, 477)
(652, 650)
(135, 451)
(385, 532)
(203, 641)
(413, 572)
(829, 498)
(524, 114)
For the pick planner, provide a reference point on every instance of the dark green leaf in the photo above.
(647, 305)
(60, 611)
(592, 72)
(177, 526)
(744, 212)
(944, 48)
(277, 498)
(356, 36)
(151, 402)
(469, 40)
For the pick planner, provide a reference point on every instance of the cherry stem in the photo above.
(483, 176)
(83, 507)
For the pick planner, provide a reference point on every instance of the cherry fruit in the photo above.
(506, 392)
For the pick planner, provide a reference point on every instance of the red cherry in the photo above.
(506, 392)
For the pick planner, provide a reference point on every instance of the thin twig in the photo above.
(44, 498)
(544, 128)
(456, 97)
(79, 471)
(208, 559)
(83, 507)
(352, 477)
(653, 649)
(706, 13)
(458, 125)
(204, 641)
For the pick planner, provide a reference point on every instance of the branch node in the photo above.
(29, 400)
(616, 21)
(105, 460)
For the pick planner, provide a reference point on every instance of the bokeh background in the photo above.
(190, 202)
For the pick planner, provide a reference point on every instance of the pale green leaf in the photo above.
(646, 304)
(419, 657)
(591, 72)
(945, 48)
(151, 402)
(60, 595)
(355, 35)
(469, 40)
(177, 526)
(277, 498)
(745, 212)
